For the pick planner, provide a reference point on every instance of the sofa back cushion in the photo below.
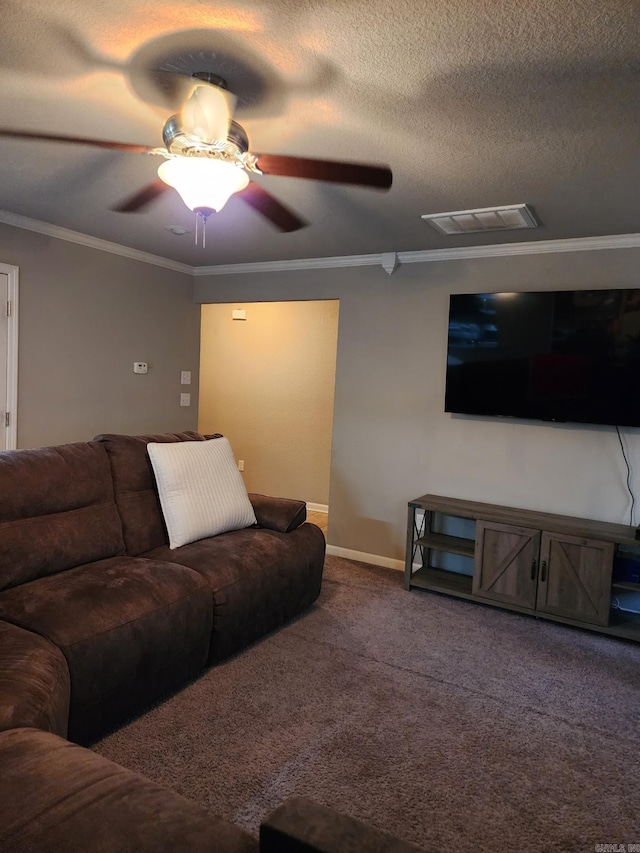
(57, 511)
(135, 488)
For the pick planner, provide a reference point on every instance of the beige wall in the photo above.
(267, 383)
(392, 440)
(85, 317)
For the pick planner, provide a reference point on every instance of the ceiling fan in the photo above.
(206, 158)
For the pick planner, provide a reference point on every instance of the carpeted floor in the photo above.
(455, 726)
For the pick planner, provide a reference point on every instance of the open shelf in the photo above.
(629, 586)
(451, 544)
(624, 624)
(440, 580)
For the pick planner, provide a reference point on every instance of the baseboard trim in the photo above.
(317, 507)
(362, 557)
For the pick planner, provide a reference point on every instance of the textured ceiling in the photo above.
(473, 103)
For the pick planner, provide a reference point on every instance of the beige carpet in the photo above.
(455, 726)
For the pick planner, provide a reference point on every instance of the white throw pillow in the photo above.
(201, 490)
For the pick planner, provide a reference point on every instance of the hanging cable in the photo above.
(626, 461)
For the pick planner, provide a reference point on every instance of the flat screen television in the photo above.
(570, 355)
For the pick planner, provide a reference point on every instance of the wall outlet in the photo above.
(238, 314)
(185, 399)
(140, 367)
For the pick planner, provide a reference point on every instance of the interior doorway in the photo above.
(8, 356)
(267, 382)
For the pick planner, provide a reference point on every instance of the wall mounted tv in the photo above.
(569, 356)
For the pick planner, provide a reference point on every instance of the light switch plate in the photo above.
(185, 377)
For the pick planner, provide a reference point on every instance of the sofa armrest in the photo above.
(281, 514)
(301, 825)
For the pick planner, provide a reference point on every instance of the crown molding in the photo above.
(423, 256)
(530, 247)
(298, 264)
(70, 236)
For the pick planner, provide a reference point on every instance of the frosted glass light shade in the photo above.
(203, 181)
(207, 112)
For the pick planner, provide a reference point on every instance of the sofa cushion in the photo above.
(129, 628)
(57, 510)
(34, 682)
(259, 578)
(135, 489)
(201, 491)
(56, 796)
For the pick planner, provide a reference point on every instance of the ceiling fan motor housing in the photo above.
(177, 141)
(210, 77)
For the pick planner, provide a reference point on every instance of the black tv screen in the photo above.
(569, 356)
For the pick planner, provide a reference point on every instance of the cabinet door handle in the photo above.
(533, 570)
(543, 571)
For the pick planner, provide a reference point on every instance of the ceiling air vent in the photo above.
(483, 219)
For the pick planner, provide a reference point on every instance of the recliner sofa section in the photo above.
(57, 796)
(259, 576)
(85, 565)
(129, 629)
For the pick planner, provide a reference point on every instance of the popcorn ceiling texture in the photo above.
(472, 104)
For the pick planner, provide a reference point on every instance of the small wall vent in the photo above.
(502, 218)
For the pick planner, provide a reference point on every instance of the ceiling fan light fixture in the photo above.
(203, 182)
(206, 114)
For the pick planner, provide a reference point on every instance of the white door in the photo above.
(8, 356)
(4, 341)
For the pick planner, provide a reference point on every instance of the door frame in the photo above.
(11, 435)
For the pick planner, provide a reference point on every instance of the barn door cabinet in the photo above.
(552, 573)
(554, 567)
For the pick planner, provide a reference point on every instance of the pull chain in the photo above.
(202, 214)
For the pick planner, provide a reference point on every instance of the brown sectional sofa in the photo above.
(98, 618)
(84, 563)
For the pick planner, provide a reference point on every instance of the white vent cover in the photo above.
(483, 219)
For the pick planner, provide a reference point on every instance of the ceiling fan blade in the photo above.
(262, 201)
(142, 198)
(74, 140)
(326, 170)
